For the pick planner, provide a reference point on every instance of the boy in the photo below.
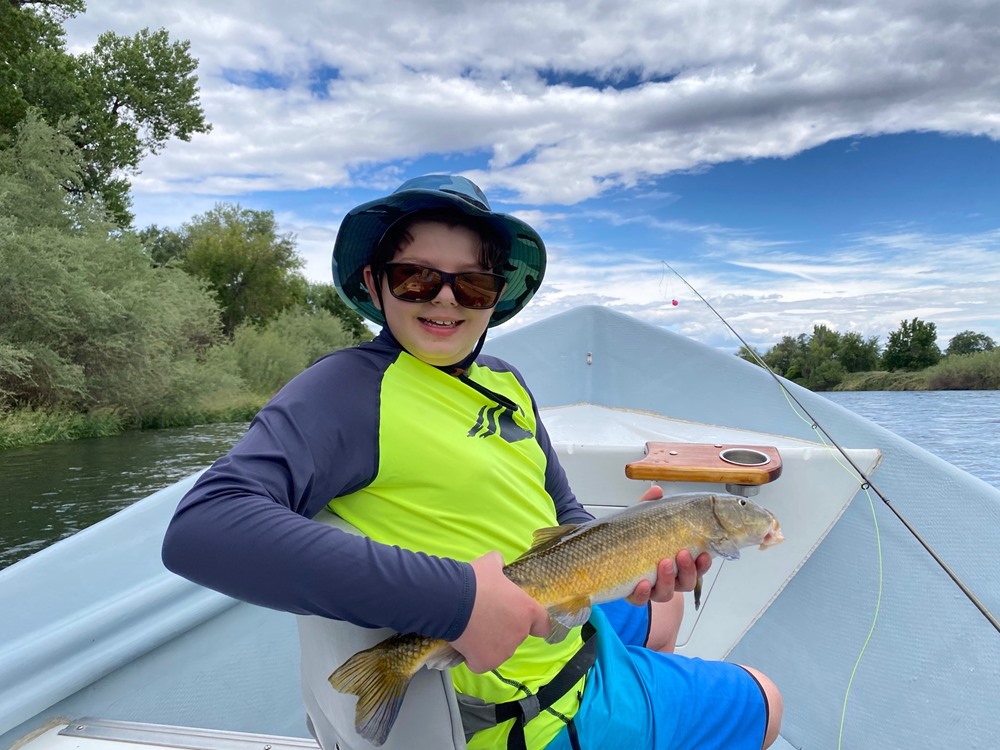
(438, 455)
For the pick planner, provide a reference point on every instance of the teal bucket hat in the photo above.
(364, 226)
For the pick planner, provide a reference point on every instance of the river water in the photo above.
(962, 427)
(49, 492)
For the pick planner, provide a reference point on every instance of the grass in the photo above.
(961, 372)
(882, 380)
(24, 427)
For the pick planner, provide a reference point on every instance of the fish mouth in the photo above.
(773, 535)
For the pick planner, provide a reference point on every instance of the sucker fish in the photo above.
(567, 569)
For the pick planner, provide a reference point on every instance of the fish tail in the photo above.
(380, 689)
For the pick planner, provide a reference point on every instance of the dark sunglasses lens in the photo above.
(414, 283)
(477, 290)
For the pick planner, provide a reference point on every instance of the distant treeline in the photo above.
(828, 360)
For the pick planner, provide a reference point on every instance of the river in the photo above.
(49, 492)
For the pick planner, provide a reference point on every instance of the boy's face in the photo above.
(440, 332)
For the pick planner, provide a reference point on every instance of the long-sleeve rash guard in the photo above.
(244, 529)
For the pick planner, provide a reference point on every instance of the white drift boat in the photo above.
(872, 642)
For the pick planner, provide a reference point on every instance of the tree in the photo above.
(782, 356)
(118, 103)
(822, 359)
(818, 365)
(325, 297)
(858, 354)
(163, 246)
(247, 265)
(970, 342)
(34, 67)
(913, 346)
(85, 320)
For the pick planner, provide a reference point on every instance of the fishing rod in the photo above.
(868, 483)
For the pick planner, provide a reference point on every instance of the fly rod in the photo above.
(969, 593)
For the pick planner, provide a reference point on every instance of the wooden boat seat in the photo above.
(735, 466)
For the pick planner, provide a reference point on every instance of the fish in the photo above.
(567, 569)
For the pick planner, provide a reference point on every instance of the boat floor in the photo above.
(104, 734)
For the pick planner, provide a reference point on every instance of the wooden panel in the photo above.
(704, 462)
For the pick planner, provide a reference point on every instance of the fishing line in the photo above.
(969, 594)
(878, 548)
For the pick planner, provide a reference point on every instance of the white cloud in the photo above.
(868, 286)
(717, 81)
(752, 79)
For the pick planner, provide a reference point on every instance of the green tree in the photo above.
(34, 67)
(163, 245)
(784, 356)
(251, 269)
(822, 359)
(818, 365)
(970, 342)
(325, 297)
(858, 354)
(118, 103)
(85, 321)
(913, 346)
(268, 356)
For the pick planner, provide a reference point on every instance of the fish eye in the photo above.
(743, 502)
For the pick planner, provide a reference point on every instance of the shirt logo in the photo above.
(498, 420)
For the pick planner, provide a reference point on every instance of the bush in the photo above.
(879, 380)
(34, 426)
(267, 357)
(967, 372)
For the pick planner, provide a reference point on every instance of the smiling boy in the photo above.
(438, 454)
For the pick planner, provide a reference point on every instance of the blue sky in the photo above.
(799, 163)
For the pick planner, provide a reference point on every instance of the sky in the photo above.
(798, 163)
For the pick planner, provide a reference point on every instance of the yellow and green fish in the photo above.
(567, 570)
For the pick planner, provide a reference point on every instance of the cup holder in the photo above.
(744, 457)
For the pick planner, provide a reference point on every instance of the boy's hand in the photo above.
(671, 576)
(502, 617)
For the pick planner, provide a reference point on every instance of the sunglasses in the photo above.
(476, 290)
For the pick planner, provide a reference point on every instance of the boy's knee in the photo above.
(775, 705)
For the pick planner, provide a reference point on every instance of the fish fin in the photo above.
(379, 688)
(726, 548)
(559, 632)
(570, 613)
(547, 537)
(444, 658)
(697, 593)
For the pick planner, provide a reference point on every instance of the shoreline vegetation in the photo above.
(958, 372)
(26, 427)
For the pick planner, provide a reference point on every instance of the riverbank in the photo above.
(22, 428)
(969, 372)
(25, 427)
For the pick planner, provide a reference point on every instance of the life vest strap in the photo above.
(478, 715)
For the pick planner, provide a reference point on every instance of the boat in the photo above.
(875, 617)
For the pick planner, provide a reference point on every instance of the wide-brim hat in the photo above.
(364, 226)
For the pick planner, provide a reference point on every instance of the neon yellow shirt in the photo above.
(460, 475)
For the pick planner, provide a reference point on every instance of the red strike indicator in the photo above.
(674, 302)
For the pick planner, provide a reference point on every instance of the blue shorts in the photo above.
(637, 698)
(631, 623)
